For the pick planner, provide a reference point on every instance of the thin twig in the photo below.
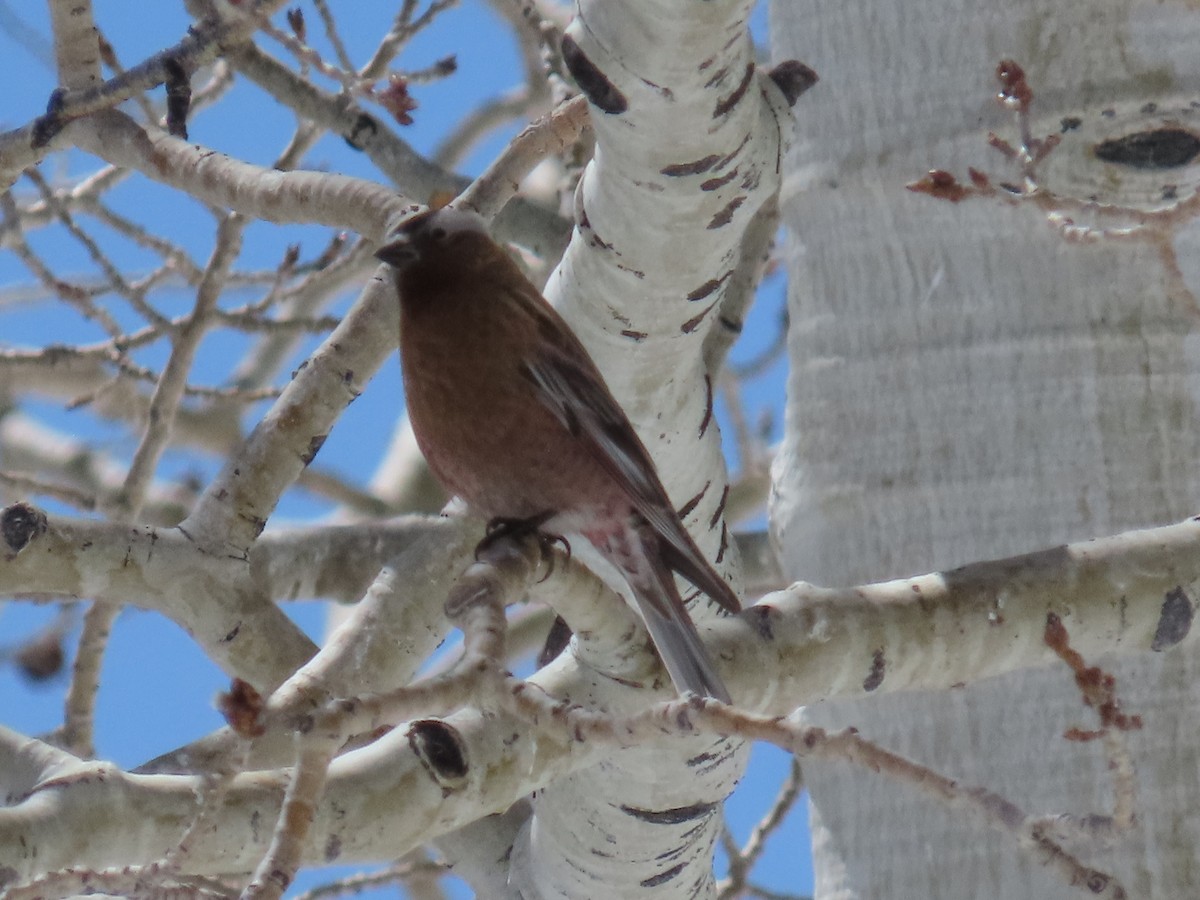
(75, 296)
(109, 54)
(116, 280)
(551, 134)
(403, 30)
(78, 729)
(30, 485)
(170, 388)
(331, 32)
(356, 884)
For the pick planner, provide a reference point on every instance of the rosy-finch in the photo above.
(514, 417)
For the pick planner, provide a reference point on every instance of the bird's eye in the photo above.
(438, 234)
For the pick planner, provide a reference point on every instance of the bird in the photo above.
(514, 417)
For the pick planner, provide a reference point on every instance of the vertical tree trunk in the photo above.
(967, 384)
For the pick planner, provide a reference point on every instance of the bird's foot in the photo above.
(500, 529)
(517, 529)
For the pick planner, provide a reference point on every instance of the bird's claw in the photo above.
(499, 529)
(546, 544)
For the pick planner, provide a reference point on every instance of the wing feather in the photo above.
(570, 386)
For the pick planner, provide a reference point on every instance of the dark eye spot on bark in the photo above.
(1174, 620)
(793, 78)
(875, 677)
(1162, 148)
(364, 128)
(179, 97)
(441, 751)
(20, 524)
(602, 93)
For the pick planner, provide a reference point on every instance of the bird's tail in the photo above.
(672, 630)
(683, 653)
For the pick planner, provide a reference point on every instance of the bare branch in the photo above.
(79, 722)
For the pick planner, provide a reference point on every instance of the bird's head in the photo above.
(429, 235)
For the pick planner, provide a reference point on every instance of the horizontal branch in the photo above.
(224, 601)
(1128, 593)
(117, 562)
(338, 201)
(1134, 592)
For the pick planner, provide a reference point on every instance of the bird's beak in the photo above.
(398, 253)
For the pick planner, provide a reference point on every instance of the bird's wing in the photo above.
(569, 384)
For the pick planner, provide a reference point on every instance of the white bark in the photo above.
(658, 235)
(967, 384)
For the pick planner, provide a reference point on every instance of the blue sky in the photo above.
(157, 688)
